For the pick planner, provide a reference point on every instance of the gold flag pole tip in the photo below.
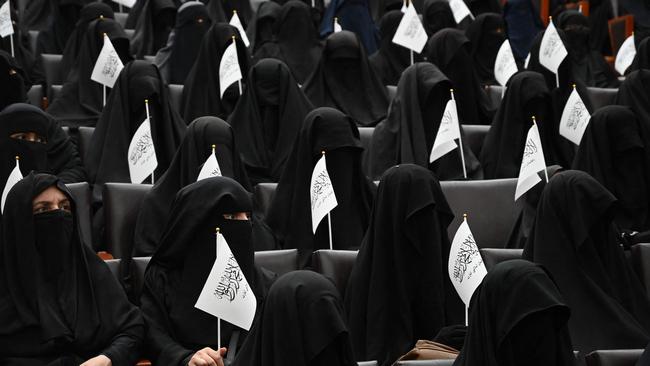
(574, 86)
(464, 216)
(217, 230)
(323, 152)
(17, 157)
(214, 146)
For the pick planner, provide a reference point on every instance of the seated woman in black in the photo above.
(59, 303)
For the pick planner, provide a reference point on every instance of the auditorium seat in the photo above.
(365, 134)
(33, 38)
(149, 58)
(114, 266)
(489, 205)
(176, 96)
(278, 261)
(129, 33)
(641, 262)
(121, 207)
(54, 75)
(474, 137)
(367, 363)
(82, 196)
(619, 357)
(601, 97)
(262, 197)
(495, 94)
(425, 363)
(335, 265)
(120, 18)
(35, 96)
(494, 256)
(392, 91)
(55, 92)
(85, 138)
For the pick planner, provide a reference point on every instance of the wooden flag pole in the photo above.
(460, 139)
(216, 253)
(329, 218)
(545, 171)
(234, 41)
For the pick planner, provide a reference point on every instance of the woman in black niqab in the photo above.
(22, 50)
(61, 22)
(260, 31)
(576, 240)
(518, 316)
(634, 92)
(642, 57)
(179, 268)
(344, 80)
(353, 16)
(201, 94)
(391, 59)
(408, 134)
(15, 82)
(154, 23)
(486, 35)
(289, 216)
(61, 304)
(449, 50)
(176, 59)
(399, 289)
(267, 120)
(437, 15)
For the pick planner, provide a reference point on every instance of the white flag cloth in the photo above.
(108, 65)
(142, 154)
(128, 3)
(14, 177)
(575, 118)
(6, 26)
(466, 268)
(531, 163)
(323, 199)
(236, 22)
(460, 10)
(210, 168)
(337, 26)
(552, 51)
(505, 65)
(410, 32)
(229, 71)
(625, 55)
(226, 293)
(448, 131)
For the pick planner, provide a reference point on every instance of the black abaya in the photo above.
(635, 93)
(15, 82)
(62, 17)
(391, 59)
(485, 34)
(437, 15)
(260, 31)
(22, 51)
(152, 26)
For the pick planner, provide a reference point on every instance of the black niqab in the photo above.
(486, 35)
(22, 50)
(391, 59)
(260, 31)
(353, 16)
(437, 15)
(154, 22)
(15, 83)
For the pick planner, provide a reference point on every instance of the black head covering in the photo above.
(642, 58)
(574, 238)
(324, 129)
(260, 30)
(184, 170)
(301, 324)
(201, 95)
(391, 59)
(408, 134)
(124, 112)
(243, 9)
(613, 150)
(345, 80)
(436, 16)
(81, 99)
(268, 118)
(178, 270)
(518, 317)
(22, 49)
(154, 22)
(523, 24)
(353, 16)
(15, 83)
(176, 59)
(635, 93)
(485, 34)
(449, 50)
(58, 299)
(379, 8)
(36, 14)
(62, 18)
(526, 96)
(399, 289)
(56, 154)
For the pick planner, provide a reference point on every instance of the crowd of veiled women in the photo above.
(308, 89)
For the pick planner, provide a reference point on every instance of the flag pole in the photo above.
(146, 107)
(216, 253)
(103, 95)
(329, 218)
(460, 139)
(545, 171)
(466, 307)
(11, 41)
(121, 9)
(411, 57)
(234, 41)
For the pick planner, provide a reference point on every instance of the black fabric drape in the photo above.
(61, 20)
(344, 80)
(324, 129)
(353, 16)
(480, 7)
(575, 239)
(399, 289)
(408, 134)
(437, 15)
(60, 301)
(15, 82)
(260, 30)
(391, 59)
(642, 58)
(22, 50)
(301, 324)
(518, 317)
(267, 119)
(55, 154)
(380, 8)
(36, 14)
(178, 270)
(154, 21)
(485, 34)
(449, 49)
(201, 96)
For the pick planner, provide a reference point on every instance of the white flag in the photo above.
(410, 33)
(505, 65)
(226, 293)
(460, 10)
(108, 65)
(236, 22)
(575, 118)
(405, 5)
(552, 51)
(466, 268)
(6, 26)
(448, 131)
(210, 167)
(14, 177)
(128, 3)
(531, 162)
(142, 154)
(323, 199)
(229, 71)
(337, 26)
(625, 55)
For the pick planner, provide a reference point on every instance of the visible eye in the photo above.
(229, 216)
(12, 72)
(19, 136)
(199, 20)
(40, 209)
(65, 206)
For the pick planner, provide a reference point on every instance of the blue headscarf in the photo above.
(354, 16)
